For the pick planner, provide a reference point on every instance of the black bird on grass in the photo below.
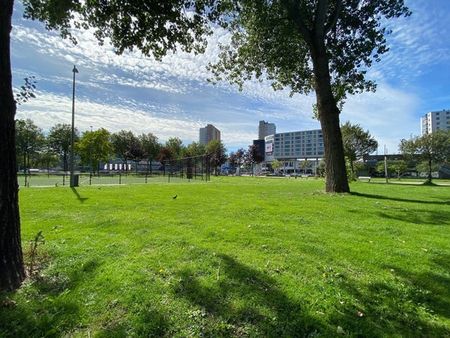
(175, 197)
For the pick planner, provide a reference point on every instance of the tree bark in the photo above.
(336, 175)
(11, 261)
(429, 171)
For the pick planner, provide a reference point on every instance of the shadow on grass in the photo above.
(411, 183)
(402, 307)
(44, 310)
(397, 199)
(149, 324)
(432, 217)
(245, 302)
(79, 197)
(46, 307)
(433, 287)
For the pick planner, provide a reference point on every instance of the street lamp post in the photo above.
(72, 136)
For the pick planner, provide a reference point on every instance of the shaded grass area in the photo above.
(236, 257)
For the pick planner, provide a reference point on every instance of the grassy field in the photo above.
(235, 257)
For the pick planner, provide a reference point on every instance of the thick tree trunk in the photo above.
(336, 174)
(11, 262)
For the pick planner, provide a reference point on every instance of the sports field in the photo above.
(235, 257)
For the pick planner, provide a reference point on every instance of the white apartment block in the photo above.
(293, 148)
(208, 134)
(435, 120)
(265, 129)
(307, 144)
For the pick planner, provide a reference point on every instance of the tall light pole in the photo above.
(72, 136)
(385, 164)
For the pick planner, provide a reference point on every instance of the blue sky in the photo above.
(173, 98)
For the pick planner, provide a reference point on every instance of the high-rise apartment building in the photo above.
(435, 120)
(298, 151)
(208, 134)
(295, 145)
(265, 129)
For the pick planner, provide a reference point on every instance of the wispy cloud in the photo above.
(417, 42)
(173, 98)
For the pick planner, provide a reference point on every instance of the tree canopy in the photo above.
(95, 147)
(432, 148)
(29, 139)
(59, 141)
(153, 27)
(277, 40)
(217, 154)
(357, 143)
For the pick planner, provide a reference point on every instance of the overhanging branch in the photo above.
(334, 17)
(295, 14)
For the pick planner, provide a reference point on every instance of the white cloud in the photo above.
(387, 114)
(48, 109)
(417, 42)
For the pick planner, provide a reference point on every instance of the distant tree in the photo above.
(29, 140)
(248, 160)
(393, 166)
(276, 165)
(194, 149)
(321, 171)
(137, 152)
(252, 156)
(432, 148)
(357, 143)
(236, 159)
(59, 141)
(95, 147)
(305, 165)
(46, 157)
(165, 154)
(217, 154)
(126, 146)
(150, 146)
(424, 166)
(176, 146)
(232, 159)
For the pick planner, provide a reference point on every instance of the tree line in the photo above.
(34, 148)
(424, 153)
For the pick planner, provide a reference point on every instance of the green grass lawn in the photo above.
(235, 257)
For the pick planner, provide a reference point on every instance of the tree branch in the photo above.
(334, 17)
(321, 14)
(295, 14)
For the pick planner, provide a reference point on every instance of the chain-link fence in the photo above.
(189, 168)
(196, 169)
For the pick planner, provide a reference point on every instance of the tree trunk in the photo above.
(336, 175)
(429, 171)
(11, 262)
